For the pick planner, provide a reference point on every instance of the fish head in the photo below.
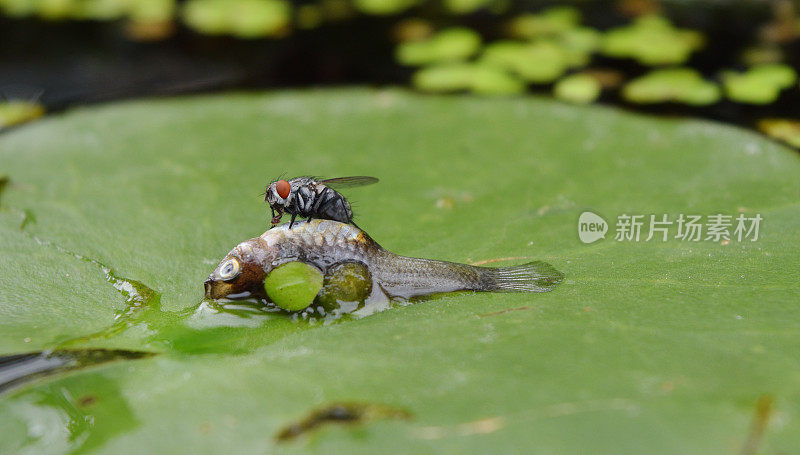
(239, 275)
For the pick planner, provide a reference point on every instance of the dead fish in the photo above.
(326, 243)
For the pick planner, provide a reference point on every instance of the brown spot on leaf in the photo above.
(87, 400)
(341, 413)
(761, 417)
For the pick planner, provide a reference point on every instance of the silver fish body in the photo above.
(325, 243)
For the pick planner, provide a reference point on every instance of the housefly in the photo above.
(309, 197)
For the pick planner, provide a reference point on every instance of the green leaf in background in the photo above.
(17, 111)
(465, 6)
(476, 77)
(652, 40)
(247, 19)
(578, 88)
(760, 84)
(537, 62)
(680, 85)
(383, 7)
(782, 129)
(646, 347)
(550, 22)
(448, 45)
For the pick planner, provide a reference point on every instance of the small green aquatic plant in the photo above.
(651, 40)
(782, 129)
(16, 112)
(679, 85)
(551, 22)
(452, 44)
(761, 84)
(535, 62)
(475, 77)
(578, 88)
(241, 18)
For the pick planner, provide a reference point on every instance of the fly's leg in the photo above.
(276, 218)
(323, 197)
(291, 223)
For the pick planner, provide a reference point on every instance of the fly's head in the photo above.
(278, 196)
(239, 275)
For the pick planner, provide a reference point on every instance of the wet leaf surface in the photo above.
(656, 347)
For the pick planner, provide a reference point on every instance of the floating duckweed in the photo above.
(383, 7)
(448, 45)
(763, 54)
(99, 10)
(18, 8)
(241, 18)
(413, 29)
(761, 84)
(16, 112)
(465, 6)
(152, 10)
(479, 78)
(293, 286)
(579, 44)
(487, 80)
(446, 77)
(652, 40)
(553, 21)
(537, 62)
(308, 16)
(345, 282)
(95, 10)
(786, 130)
(578, 88)
(681, 85)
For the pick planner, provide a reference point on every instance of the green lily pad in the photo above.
(653, 346)
(760, 84)
(652, 40)
(452, 44)
(680, 85)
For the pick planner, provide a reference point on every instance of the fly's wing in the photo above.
(348, 182)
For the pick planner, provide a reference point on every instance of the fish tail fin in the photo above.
(534, 276)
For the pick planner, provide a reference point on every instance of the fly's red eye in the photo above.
(283, 188)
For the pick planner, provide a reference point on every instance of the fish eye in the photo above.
(283, 188)
(229, 269)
